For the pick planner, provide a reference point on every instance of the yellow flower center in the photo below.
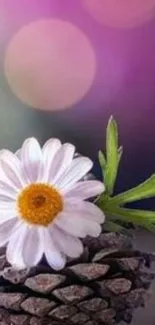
(39, 204)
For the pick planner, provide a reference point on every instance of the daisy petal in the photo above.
(49, 150)
(84, 209)
(33, 247)
(6, 230)
(92, 228)
(7, 211)
(4, 197)
(32, 158)
(18, 153)
(61, 162)
(70, 224)
(79, 167)
(76, 225)
(14, 252)
(7, 191)
(12, 169)
(69, 245)
(54, 257)
(85, 190)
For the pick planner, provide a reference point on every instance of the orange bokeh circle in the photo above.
(50, 64)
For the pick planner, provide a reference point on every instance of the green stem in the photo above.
(138, 217)
(142, 191)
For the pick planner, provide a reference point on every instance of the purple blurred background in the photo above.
(121, 33)
(123, 85)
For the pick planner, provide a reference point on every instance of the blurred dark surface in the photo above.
(146, 241)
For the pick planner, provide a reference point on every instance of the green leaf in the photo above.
(113, 207)
(102, 162)
(113, 156)
(137, 217)
(143, 191)
(111, 226)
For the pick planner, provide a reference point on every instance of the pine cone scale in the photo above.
(89, 272)
(37, 306)
(104, 286)
(72, 294)
(45, 283)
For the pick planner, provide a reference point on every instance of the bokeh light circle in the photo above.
(121, 13)
(50, 64)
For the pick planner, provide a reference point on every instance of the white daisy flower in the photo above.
(43, 207)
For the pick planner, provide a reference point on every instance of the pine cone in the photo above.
(103, 286)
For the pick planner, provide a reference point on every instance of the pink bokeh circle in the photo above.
(121, 13)
(50, 64)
